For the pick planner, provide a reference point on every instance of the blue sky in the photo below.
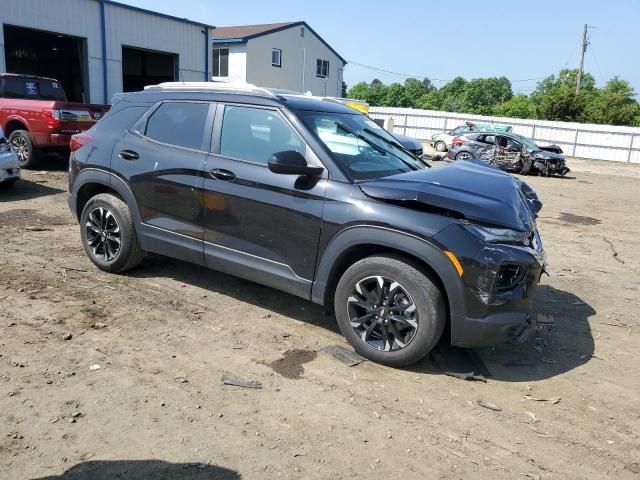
(520, 39)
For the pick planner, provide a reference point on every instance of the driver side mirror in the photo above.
(291, 162)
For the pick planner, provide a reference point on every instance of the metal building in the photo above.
(96, 48)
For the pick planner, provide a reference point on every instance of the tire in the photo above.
(526, 167)
(463, 156)
(22, 143)
(357, 286)
(440, 146)
(106, 214)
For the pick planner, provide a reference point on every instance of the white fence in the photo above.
(581, 140)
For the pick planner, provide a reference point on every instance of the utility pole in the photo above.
(583, 50)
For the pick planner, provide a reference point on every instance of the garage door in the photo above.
(48, 54)
(146, 67)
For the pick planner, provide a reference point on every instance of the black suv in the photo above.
(315, 199)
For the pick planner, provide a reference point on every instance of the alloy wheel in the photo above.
(103, 234)
(21, 147)
(463, 156)
(382, 313)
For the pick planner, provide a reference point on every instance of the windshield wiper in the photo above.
(395, 144)
(347, 130)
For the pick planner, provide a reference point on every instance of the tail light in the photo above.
(54, 117)
(80, 140)
(457, 141)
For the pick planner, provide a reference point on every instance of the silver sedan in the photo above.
(9, 166)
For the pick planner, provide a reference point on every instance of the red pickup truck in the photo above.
(36, 117)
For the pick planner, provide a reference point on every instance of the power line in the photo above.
(377, 69)
(390, 72)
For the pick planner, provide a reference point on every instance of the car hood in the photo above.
(472, 189)
(544, 154)
(408, 142)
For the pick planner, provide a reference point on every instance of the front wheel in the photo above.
(389, 310)
(108, 234)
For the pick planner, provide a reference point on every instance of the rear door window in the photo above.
(490, 139)
(179, 123)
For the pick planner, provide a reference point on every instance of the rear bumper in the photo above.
(52, 140)
(60, 139)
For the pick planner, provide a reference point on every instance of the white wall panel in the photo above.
(590, 141)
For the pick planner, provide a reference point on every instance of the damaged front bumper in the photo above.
(499, 282)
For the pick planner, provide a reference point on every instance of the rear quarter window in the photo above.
(179, 123)
(118, 120)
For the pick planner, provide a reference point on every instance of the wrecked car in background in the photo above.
(510, 152)
(442, 142)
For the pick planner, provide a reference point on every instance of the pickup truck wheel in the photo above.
(22, 144)
(389, 310)
(108, 234)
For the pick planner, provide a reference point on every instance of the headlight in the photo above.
(499, 235)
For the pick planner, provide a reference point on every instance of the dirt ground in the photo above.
(137, 390)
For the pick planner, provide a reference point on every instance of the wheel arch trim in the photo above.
(415, 246)
(97, 176)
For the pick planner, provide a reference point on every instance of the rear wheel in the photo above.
(22, 143)
(389, 310)
(108, 234)
(463, 156)
(440, 146)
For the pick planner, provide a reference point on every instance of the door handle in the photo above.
(128, 155)
(222, 174)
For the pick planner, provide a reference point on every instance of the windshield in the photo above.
(363, 148)
(529, 144)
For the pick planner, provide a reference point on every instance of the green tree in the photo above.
(343, 91)
(481, 95)
(359, 91)
(415, 89)
(449, 97)
(395, 96)
(614, 104)
(519, 106)
(377, 93)
(555, 96)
